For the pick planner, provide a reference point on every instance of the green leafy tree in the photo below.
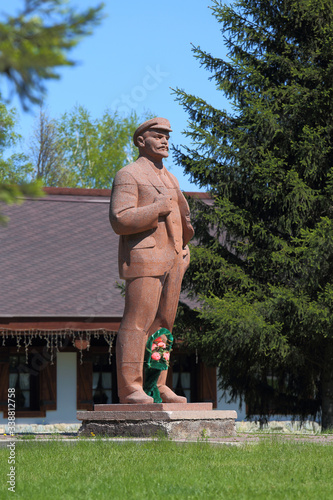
(263, 265)
(80, 151)
(15, 168)
(37, 41)
(94, 149)
(32, 45)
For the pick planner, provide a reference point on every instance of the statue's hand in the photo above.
(164, 204)
(186, 257)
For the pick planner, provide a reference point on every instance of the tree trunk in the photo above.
(327, 388)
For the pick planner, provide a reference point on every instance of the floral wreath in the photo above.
(157, 358)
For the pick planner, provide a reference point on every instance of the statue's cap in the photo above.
(154, 123)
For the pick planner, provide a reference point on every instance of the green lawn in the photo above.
(272, 469)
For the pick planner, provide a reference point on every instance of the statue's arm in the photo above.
(126, 216)
(188, 231)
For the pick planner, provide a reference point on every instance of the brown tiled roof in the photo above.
(58, 257)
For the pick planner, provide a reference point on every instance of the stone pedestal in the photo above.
(172, 420)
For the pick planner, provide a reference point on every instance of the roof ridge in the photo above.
(71, 191)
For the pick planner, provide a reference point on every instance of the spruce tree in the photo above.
(263, 262)
(37, 41)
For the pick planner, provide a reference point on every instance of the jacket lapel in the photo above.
(152, 178)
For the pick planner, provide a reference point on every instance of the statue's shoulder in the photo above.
(127, 173)
(127, 169)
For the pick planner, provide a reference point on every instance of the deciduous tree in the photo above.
(15, 168)
(94, 149)
(78, 150)
(46, 153)
(33, 44)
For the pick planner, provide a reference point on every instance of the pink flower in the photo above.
(156, 356)
(162, 344)
(153, 347)
(166, 356)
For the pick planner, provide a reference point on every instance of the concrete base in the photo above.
(175, 421)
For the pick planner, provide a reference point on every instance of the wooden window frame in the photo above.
(47, 384)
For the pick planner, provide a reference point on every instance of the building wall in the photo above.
(222, 404)
(66, 390)
(66, 395)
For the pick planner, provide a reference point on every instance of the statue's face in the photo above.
(155, 144)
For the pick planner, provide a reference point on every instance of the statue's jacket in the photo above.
(148, 243)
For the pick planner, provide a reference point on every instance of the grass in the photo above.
(272, 469)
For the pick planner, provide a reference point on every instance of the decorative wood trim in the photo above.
(4, 378)
(198, 195)
(59, 324)
(207, 384)
(48, 387)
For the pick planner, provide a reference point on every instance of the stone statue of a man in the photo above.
(152, 217)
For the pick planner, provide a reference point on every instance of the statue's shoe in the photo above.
(168, 396)
(137, 397)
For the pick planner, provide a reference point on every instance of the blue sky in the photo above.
(140, 52)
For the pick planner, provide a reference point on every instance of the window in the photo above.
(25, 381)
(184, 376)
(102, 380)
(34, 381)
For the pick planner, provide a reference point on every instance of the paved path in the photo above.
(238, 440)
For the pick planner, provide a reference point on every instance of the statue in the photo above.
(152, 217)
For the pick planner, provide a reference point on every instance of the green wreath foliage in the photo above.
(152, 367)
